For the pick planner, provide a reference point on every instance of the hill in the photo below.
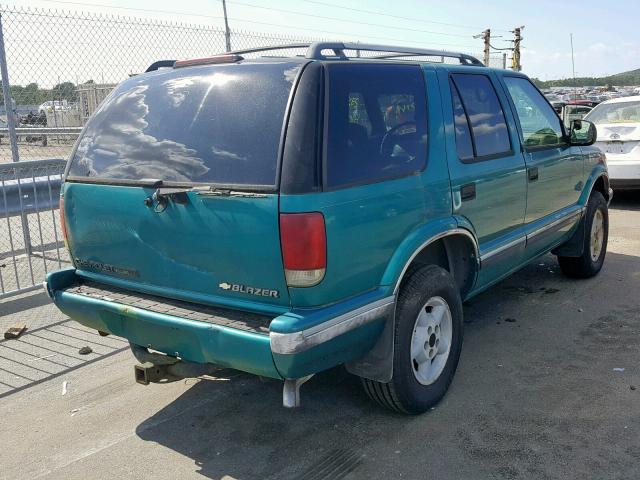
(629, 78)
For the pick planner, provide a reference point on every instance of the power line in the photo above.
(133, 9)
(384, 14)
(235, 19)
(274, 9)
(216, 17)
(333, 32)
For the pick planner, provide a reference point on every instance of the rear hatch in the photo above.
(618, 125)
(619, 139)
(173, 186)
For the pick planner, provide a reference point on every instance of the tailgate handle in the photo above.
(468, 191)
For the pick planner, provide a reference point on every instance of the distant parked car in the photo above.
(618, 124)
(569, 113)
(558, 106)
(52, 105)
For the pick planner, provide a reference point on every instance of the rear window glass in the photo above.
(377, 126)
(623, 112)
(217, 125)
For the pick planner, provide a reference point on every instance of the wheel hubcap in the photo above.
(597, 235)
(431, 340)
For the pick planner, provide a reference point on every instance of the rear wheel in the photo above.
(596, 234)
(427, 343)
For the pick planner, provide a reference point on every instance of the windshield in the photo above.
(624, 112)
(211, 124)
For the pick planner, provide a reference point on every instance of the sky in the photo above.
(606, 36)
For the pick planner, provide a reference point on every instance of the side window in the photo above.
(464, 144)
(480, 103)
(539, 122)
(377, 123)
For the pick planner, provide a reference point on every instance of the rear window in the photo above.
(218, 125)
(623, 112)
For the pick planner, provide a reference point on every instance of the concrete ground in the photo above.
(548, 387)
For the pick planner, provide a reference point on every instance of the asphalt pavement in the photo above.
(548, 387)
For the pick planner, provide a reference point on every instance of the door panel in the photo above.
(559, 181)
(489, 190)
(554, 168)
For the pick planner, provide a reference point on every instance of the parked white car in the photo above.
(618, 124)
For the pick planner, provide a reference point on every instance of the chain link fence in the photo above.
(59, 66)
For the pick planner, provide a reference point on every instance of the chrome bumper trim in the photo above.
(296, 342)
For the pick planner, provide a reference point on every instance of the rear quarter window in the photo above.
(377, 123)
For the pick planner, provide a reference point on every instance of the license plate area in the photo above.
(619, 147)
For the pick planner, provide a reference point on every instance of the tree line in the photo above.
(32, 94)
(626, 79)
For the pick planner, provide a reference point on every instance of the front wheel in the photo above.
(427, 343)
(596, 235)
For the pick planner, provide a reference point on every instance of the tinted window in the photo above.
(539, 122)
(219, 124)
(483, 109)
(300, 160)
(464, 144)
(377, 122)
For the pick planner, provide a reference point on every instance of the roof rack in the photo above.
(159, 64)
(315, 51)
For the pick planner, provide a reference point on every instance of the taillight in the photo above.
(304, 248)
(63, 224)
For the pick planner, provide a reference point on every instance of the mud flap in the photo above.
(377, 365)
(575, 245)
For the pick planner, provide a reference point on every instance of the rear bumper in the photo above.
(296, 344)
(623, 173)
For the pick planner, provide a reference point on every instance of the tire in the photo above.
(428, 292)
(590, 262)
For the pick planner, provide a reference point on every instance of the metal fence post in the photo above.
(227, 32)
(11, 125)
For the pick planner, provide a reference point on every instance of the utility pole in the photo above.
(573, 68)
(517, 32)
(486, 38)
(227, 32)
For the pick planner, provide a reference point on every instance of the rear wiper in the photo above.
(210, 191)
(178, 195)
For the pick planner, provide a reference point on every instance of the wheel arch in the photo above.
(455, 250)
(443, 241)
(598, 182)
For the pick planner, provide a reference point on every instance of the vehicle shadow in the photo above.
(234, 426)
(626, 200)
(237, 428)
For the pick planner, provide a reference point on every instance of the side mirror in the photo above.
(582, 133)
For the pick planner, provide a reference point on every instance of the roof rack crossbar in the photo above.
(316, 49)
(272, 47)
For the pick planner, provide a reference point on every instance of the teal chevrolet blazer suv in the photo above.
(282, 215)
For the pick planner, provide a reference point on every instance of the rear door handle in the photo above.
(468, 191)
(533, 174)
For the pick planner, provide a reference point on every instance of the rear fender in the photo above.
(377, 364)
